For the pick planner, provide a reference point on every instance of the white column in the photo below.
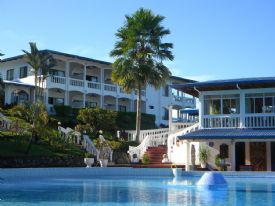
(85, 86)
(116, 103)
(233, 156)
(46, 94)
(242, 110)
(268, 156)
(187, 156)
(170, 107)
(201, 109)
(101, 101)
(84, 100)
(247, 153)
(67, 74)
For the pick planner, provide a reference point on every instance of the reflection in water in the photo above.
(135, 191)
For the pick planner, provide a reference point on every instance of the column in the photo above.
(268, 156)
(101, 101)
(187, 156)
(84, 100)
(46, 94)
(201, 109)
(233, 156)
(170, 117)
(85, 86)
(242, 110)
(67, 75)
(116, 103)
(247, 153)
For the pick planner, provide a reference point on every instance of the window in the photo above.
(151, 107)
(92, 78)
(166, 91)
(221, 104)
(19, 96)
(91, 104)
(55, 72)
(121, 108)
(10, 74)
(23, 72)
(260, 103)
(55, 101)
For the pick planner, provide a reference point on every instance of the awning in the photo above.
(226, 84)
(190, 111)
(235, 134)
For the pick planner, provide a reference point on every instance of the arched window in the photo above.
(19, 96)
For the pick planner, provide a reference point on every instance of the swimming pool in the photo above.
(124, 189)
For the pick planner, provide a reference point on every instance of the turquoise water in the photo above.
(136, 191)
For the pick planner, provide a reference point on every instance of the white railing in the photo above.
(145, 133)
(76, 137)
(76, 82)
(110, 87)
(172, 138)
(221, 121)
(58, 80)
(93, 85)
(260, 120)
(149, 141)
(180, 125)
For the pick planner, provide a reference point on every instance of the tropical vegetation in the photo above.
(139, 54)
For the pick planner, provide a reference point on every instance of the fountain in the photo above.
(212, 179)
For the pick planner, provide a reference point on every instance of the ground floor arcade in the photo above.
(245, 149)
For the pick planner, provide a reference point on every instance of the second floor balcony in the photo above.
(72, 84)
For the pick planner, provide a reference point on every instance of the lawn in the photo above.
(16, 146)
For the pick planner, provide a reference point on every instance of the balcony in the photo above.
(91, 87)
(263, 120)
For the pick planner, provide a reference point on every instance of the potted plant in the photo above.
(89, 159)
(104, 152)
(204, 155)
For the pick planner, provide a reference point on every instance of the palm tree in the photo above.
(36, 59)
(139, 55)
(45, 68)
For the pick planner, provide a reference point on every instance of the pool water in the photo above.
(136, 191)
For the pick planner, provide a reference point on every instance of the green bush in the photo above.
(127, 121)
(63, 110)
(145, 159)
(98, 119)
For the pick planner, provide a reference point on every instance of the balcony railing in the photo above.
(234, 121)
(58, 80)
(76, 82)
(93, 85)
(221, 121)
(260, 121)
(110, 87)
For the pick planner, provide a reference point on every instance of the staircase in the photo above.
(156, 154)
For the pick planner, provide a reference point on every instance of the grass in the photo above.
(16, 146)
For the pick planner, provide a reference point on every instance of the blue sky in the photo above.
(213, 39)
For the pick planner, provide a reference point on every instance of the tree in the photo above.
(37, 60)
(139, 54)
(37, 116)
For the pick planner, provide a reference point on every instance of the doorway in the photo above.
(240, 154)
(272, 156)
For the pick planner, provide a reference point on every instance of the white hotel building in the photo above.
(84, 82)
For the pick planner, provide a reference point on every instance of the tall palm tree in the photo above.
(36, 59)
(45, 68)
(139, 55)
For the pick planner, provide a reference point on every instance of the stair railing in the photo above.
(149, 141)
(75, 137)
(173, 136)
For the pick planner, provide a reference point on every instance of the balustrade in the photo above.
(110, 87)
(94, 85)
(76, 82)
(232, 121)
(58, 80)
(260, 121)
